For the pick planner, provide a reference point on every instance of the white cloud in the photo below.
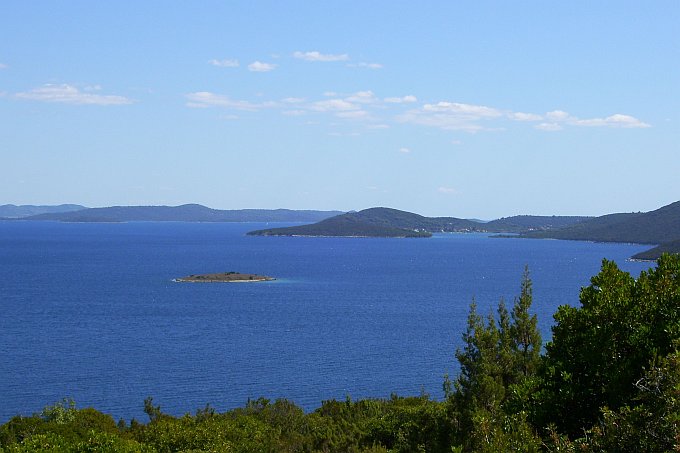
(68, 94)
(362, 97)
(447, 190)
(340, 134)
(365, 65)
(467, 110)
(317, 56)
(402, 100)
(451, 116)
(352, 114)
(294, 112)
(558, 115)
(334, 105)
(519, 116)
(3, 66)
(292, 100)
(330, 94)
(258, 66)
(404, 150)
(203, 99)
(225, 63)
(378, 126)
(616, 120)
(550, 127)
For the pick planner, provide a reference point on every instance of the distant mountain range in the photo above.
(11, 211)
(183, 213)
(387, 222)
(660, 227)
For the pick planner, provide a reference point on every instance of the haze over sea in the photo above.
(89, 311)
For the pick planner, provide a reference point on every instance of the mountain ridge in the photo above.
(12, 211)
(389, 222)
(183, 213)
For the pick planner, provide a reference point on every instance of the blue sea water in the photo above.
(90, 311)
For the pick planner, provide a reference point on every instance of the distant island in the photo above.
(224, 277)
(387, 222)
(183, 213)
(12, 211)
(660, 227)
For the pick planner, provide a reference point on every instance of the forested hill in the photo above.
(661, 226)
(379, 222)
(11, 211)
(387, 222)
(184, 213)
(523, 223)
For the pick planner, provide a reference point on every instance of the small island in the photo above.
(225, 277)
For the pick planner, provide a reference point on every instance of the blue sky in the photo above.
(468, 109)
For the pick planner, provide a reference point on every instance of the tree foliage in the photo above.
(601, 349)
(609, 381)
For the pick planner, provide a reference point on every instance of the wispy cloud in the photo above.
(228, 63)
(69, 94)
(3, 66)
(550, 127)
(318, 56)
(451, 116)
(365, 65)
(558, 115)
(401, 100)
(380, 113)
(616, 120)
(404, 150)
(560, 118)
(362, 97)
(447, 190)
(258, 66)
(353, 114)
(203, 99)
(473, 118)
(463, 110)
(294, 112)
(519, 116)
(334, 105)
(293, 100)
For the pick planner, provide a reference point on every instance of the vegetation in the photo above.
(609, 380)
(386, 222)
(183, 213)
(661, 226)
(11, 211)
(224, 277)
(670, 247)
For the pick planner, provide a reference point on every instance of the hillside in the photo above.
(661, 226)
(350, 224)
(522, 223)
(387, 222)
(11, 211)
(184, 213)
(671, 247)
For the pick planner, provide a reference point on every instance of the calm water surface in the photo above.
(89, 311)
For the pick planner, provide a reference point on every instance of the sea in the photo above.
(90, 311)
